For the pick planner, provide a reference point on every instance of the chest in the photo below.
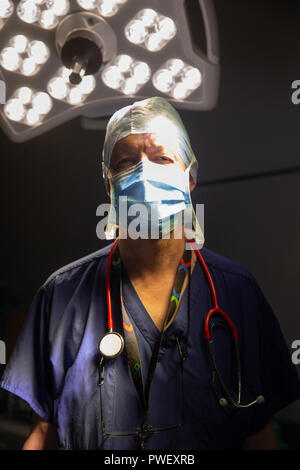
(155, 297)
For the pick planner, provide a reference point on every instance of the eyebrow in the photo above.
(129, 149)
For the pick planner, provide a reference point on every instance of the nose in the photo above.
(143, 156)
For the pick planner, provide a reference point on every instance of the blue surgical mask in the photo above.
(162, 189)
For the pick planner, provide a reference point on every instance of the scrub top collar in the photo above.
(143, 320)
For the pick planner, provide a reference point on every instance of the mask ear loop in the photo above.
(195, 232)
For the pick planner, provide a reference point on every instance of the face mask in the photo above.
(162, 189)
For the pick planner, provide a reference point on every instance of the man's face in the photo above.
(131, 149)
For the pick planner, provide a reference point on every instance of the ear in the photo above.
(192, 183)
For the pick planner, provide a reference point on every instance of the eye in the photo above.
(125, 161)
(163, 159)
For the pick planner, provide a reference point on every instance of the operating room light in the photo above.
(177, 79)
(106, 8)
(28, 11)
(48, 19)
(28, 106)
(60, 88)
(19, 43)
(87, 4)
(65, 58)
(6, 9)
(75, 96)
(45, 14)
(32, 117)
(10, 59)
(29, 67)
(126, 74)
(59, 7)
(150, 30)
(24, 56)
(38, 51)
(24, 94)
(15, 110)
(87, 84)
(42, 102)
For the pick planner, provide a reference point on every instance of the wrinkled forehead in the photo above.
(161, 139)
(158, 131)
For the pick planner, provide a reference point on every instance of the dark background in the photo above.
(248, 179)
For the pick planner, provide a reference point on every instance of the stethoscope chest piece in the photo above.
(111, 345)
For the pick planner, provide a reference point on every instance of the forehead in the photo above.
(151, 142)
(137, 141)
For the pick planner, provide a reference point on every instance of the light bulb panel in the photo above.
(148, 74)
(61, 89)
(150, 30)
(6, 10)
(28, 106)
(24, 56)
(177, 79)
(45, 14)
(105, 8)
(126, 75)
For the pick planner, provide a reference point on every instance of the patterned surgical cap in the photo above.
(153, 115)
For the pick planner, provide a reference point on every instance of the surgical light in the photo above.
(19, 43)
(106, 8)
(28, 106)
(45, 14)
(24, 56)
(150, 29)
(15, 109)
(10, 59)
(61, 89)
(177, 79)
(126, 74)
(29, 66)
(41, 102)
(87, 4)
(38, 51)
(48, 19)
(65, 58)
(6, 10)
(24, 94)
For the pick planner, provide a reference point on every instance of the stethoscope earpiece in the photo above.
(223, 402)
(260, 399)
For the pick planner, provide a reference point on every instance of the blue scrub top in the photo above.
(55, 363)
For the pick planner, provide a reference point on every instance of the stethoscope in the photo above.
(112, 343)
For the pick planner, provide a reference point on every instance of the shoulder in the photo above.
(78, 268)
(221, 264)
(235, 283)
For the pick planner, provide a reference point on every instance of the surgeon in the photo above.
(121, 349)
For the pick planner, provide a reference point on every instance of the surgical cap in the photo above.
(153, 115)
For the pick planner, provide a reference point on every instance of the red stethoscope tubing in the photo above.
(108, 288)
(215, 310)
